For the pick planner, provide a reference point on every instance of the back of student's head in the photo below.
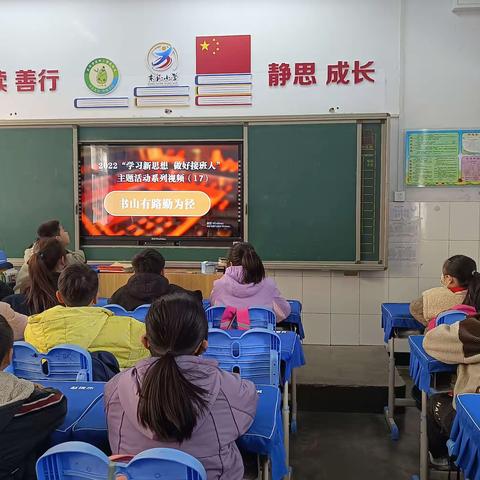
(169, 403)
(49, 229)
(243, 254)
(148, 261)
(464, 270)
(40, 290)
(6, 341)
(78, 285)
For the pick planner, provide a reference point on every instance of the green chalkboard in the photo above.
(37, 183)
(302, 191)
(301, 187)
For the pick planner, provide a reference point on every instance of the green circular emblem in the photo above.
(101, 76)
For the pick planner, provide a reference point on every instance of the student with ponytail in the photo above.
(245, 284)
(44, 266)
(460, 285)
(178, 399)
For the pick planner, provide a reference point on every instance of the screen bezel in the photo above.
(124, 241)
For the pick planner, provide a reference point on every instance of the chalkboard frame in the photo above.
(244, 122)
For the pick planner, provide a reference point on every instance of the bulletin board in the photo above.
(442, 158)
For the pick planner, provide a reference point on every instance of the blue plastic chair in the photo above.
(260, 317)
(255, 354)
(101, 302)
(450, 317)
(138, 314)
(78, 460)
(62, 363)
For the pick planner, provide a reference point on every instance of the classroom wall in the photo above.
(438, 89)
(436, 51)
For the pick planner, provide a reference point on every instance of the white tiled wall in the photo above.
(345, 310)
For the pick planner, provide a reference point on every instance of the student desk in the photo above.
(464, 443)
(109, 282)
(423, 370)
(397, 322)
(86, 421)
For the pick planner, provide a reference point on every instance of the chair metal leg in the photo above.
(265, 467)
(389, 410)
(293, 425)
(286, 431)
(423, 439)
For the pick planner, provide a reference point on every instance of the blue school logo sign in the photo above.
(101, 76)
(162, 57)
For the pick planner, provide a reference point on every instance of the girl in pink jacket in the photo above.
(245, 285)
(178, 399)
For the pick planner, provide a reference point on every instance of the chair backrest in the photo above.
(450, 317)
(260, 317)
(78, 460)
(101, 302)
(139, 313)
(255, 354)
(63, 362)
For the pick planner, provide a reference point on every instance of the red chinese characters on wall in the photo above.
(340, 73)
(28, 80)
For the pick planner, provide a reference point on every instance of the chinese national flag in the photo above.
(223, 54)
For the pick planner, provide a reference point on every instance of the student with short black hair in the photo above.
(178, 399)
(246, 285)
(39, 291)
(148, 282)
(28, 414)
(50, 229)
(77, 322)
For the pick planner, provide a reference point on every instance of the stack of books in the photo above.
(162, 96)
(229, 89)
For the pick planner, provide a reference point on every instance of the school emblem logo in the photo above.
(101, 76)
(162, 57)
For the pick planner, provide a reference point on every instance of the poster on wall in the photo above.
(442, 158)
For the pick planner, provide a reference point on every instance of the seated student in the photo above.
(459, 279)
(28, 414)
(148, 283)
(50, 229)
(17, 321)
(39, 292)
(5, 290)
(454, 344)
(78, 323)
(245, 285)
(178, 399)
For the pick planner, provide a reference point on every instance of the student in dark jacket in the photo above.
(28, 414)
(5, 290)
(148, 282)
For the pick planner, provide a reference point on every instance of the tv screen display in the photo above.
(181, 194)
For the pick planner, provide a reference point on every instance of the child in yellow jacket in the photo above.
(78, 323)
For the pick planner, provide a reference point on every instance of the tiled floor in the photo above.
(354, 446)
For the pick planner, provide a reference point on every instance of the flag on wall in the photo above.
(224, 63)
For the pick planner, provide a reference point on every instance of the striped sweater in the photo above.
(458, 344)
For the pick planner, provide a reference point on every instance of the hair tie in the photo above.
(474, 273)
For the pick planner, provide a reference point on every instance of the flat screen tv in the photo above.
(164, 193)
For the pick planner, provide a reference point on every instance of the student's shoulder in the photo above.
(436, 291)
